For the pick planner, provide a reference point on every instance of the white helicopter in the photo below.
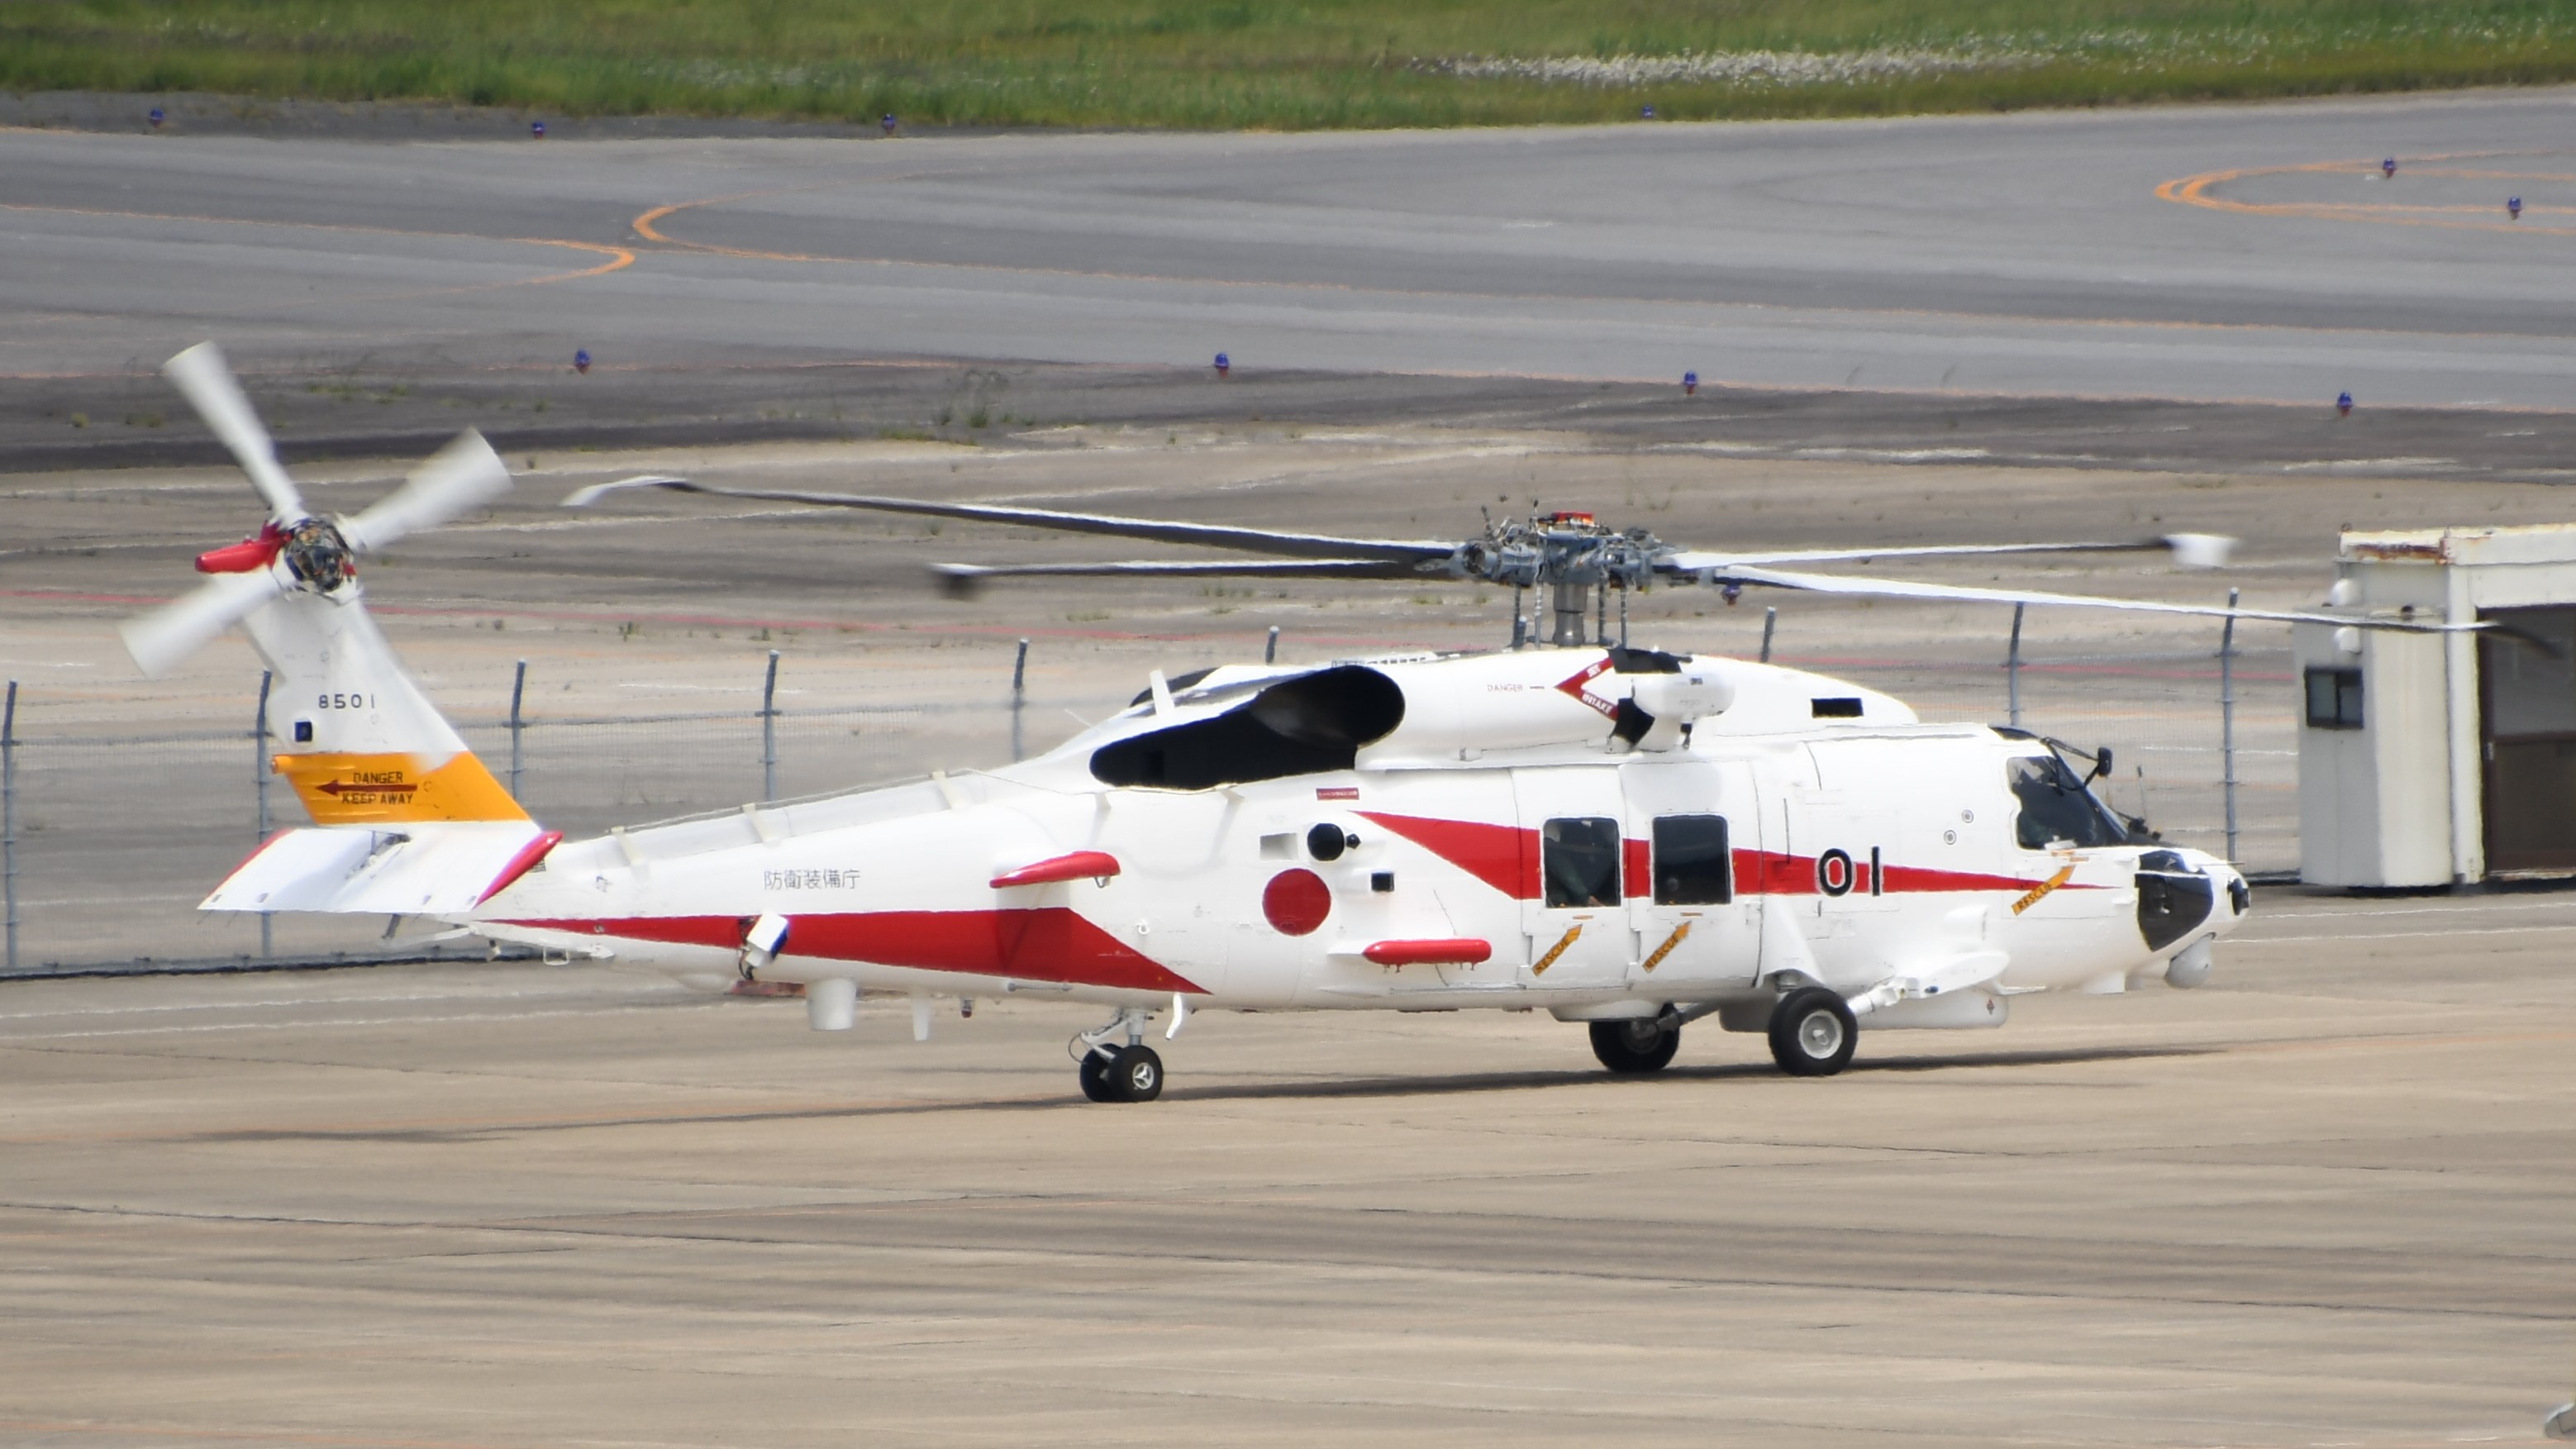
(1623, 837)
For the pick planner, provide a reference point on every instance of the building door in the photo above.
(2527, 717)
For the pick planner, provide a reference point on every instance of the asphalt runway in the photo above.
(2215, 254)
(2321, 1201)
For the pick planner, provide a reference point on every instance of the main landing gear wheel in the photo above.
(1635, 1047)
(1812, 1033)
(1126, 1074)
(1095, 1078)
(1136, 1076)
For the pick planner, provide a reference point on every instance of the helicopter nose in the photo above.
(2231, 884)
(2175, 896)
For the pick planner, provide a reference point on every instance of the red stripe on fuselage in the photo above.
(1502, 856)
(1506, 858)
(1050, 943)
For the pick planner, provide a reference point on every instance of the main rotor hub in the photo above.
(318, 556)
(1561, 548)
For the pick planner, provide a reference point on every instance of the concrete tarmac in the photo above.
(2321, 1201)
(2213, 253)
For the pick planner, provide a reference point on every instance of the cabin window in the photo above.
(2334, 699)
(1843, 707)
(1307, 725)
(1691, 861)
(2056, 809)
(1580, 859)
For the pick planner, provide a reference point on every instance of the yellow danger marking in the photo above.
(1666, 949)
(1555, 951)
(2040, 891)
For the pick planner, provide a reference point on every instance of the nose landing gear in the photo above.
(1130, 1073)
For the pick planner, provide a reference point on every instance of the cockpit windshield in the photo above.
(2056, 809)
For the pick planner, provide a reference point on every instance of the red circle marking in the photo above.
(1296, 902)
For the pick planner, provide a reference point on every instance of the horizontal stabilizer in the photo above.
(430, 869)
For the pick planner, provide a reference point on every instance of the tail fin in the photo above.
(357, 739)
(407, 819)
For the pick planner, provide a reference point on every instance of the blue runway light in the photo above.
(2513, 207)
(2388, 168)
(1690, 383)
(537, 130)
(887, 125)
(581, 360)
(2343, 405)
(1224, 364)
(156, 118)
(1645, 113)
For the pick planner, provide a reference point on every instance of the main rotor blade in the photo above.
(174, 631)
(962, 580)
(457, 479)
(202, 377)
(2191, 550)
(1257, 540)
(1303, 568)
(1899, 589)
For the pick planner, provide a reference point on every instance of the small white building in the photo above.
(2441, 759)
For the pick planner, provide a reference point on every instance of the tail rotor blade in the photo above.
(457, 479)
(177, 629)
(201, 375)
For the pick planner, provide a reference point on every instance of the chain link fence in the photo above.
(108, 840)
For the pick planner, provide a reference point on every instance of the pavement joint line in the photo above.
(1023, 1249)
(2364, 937)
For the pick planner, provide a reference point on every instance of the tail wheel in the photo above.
(1812, 1033)
(1635, 1047)
(1136, 1076)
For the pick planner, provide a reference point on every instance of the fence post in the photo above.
(1270, 651)
(2012, 671)
(259, 791)
(518, 690)
(1770, 620)
(769, 731)
(2227, 722)
(1019, 694)
(9, 816)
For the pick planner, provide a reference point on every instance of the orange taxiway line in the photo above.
(645, 225)
(619, 258)
(2198, 191)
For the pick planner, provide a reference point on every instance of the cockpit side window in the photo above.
(2056, 809)
(1580, 858)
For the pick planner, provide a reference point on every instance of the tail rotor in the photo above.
(296, 549)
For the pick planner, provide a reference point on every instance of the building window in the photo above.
(2334, 699)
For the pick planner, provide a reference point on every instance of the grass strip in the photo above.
(1273, 64)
